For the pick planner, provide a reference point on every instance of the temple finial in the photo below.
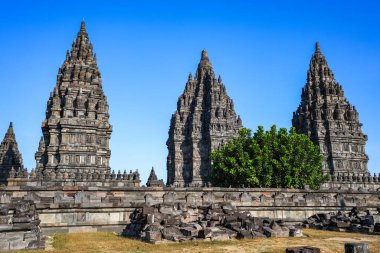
(205, 61)
(204, 54)
(317, 48)
(83, 25)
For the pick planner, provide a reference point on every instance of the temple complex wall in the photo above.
(79, 208)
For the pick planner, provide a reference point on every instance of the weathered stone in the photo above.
(295, 232)
(220, 236)
(204, 120)
(205, 233)
(304, 249)
(166, 209)
(172, 233)
(20, 230)
(4, 210)
(4, 245)
(244, 234)
(153, 235)
(331, 121)
(282, 232)
(150, 218)
(189, 231)
(356, 248)
(172, 221)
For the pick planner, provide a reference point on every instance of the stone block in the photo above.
(4, 210)
(244, 234)
(172, 221)
(295, 232)
(150, 218)
(153, 236)
(166, 209)
(114, 217)
(17, 243)
(68, 218)
(189, 231)
(5, 219)
(98, 218)
(4, 245)
(304, 249)
(356, 248)
(275, 233)
(171, 233)
(220, 236)
(205, 233)
(6, 227)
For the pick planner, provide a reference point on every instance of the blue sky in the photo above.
(146, 49)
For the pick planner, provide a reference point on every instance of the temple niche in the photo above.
(10, 157)
(205, 119)
(76, 131)
(332, 123)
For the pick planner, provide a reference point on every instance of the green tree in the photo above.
(278, 159)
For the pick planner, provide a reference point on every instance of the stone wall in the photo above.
(98, 208)
(19, 226)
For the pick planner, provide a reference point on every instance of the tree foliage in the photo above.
(269, 159)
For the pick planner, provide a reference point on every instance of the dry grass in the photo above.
(329, 242)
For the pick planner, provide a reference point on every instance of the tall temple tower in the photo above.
(330, 120)
(205, 119)
(76, 131)
(10, 156)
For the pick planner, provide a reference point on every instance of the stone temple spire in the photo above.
(10, 156)
(153, 180)
(205, 119)
(76, 130)
(326, 116)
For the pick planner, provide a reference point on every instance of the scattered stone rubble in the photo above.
(181, 222)
(19, 226)
(357, 220)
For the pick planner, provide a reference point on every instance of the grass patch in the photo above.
(329, 242)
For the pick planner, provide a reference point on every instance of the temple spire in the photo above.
(9, 155)
(77, 99)
(81, 49)
(319, 70)
(10, 132)
(153, 180)
(332, 123)
(205, 119)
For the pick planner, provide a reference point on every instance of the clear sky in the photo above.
(145, 51)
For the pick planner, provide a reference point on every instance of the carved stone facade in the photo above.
(10, 156)
(205, 119)
(76, 131)
(330, 120)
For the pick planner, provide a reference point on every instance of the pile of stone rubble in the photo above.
(181, 222)
(19, 226)
(357, 220)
